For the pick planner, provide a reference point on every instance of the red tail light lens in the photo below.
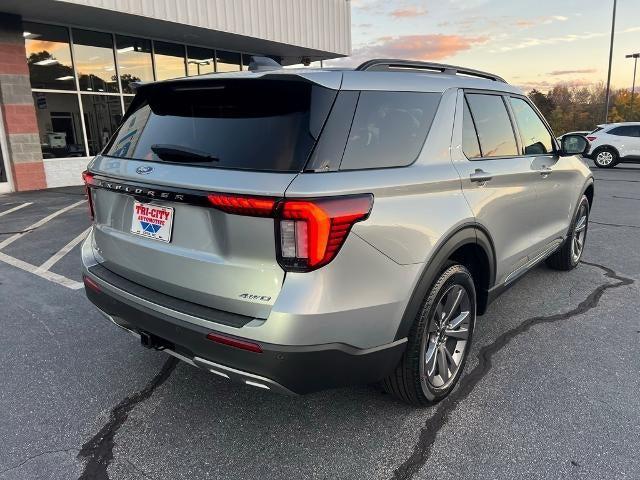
(243, 205)
(309, 233)
(87, 177)
(591, 139)
(235, 342)
(91, 284)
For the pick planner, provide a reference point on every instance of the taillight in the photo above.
(309, 232)
(243, 205)
(591, 139)
(87, 177)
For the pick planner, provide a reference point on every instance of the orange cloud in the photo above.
(419, 47)
(409, 12)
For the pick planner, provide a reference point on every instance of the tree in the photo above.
(570, 108)
(126, 79)
(542, 101)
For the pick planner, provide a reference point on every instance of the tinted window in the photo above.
(470, 145)
(625, 131)
(536, 139)
(59, 124)
(494, 127)
(93, 54)
(200, 61)
(49, 56)
(389, 129)
(227, 61)
(134, 61)
(244, 124)
(169, 58)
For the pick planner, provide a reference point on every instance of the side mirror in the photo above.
(574, 145)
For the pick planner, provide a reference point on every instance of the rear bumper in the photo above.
(281, 368)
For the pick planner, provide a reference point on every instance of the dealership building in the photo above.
(66, 66)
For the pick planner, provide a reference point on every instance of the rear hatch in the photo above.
(181, 141)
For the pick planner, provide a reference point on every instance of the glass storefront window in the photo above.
(169, 59)
(246, 59)
(228, 61)
(200, 61)
(134, 61)
(102, 115)
(127, 102)
(59, 124)
(95, 63)
(49, 56)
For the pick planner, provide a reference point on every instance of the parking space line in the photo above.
(11, 210)
(63, 251)
(52, 277)
(39, 223)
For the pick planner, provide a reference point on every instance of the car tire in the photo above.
(605, 157)
(568, 255)
(439, 341)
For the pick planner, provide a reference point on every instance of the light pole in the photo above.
(613, 28)
(635, 66)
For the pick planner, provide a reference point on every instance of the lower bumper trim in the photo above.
(284, 369)
(240, 376)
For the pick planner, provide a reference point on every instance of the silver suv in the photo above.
(296, 230)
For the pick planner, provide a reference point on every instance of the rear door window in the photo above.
(625, 131)
(493, 124)
(470, 143)
(389, 129)
(267, 125)
(536, 139)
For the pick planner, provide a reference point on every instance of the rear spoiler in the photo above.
(331, 79)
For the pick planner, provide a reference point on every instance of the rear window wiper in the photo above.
(178, 153)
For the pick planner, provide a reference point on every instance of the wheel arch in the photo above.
(606, 146)
(470, 245)
(589, 191)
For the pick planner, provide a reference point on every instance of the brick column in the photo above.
(18, 111)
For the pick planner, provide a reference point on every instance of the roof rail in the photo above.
(382, 64)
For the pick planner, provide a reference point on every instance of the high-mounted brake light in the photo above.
(87, 177)
(310, 232)
(591, 139)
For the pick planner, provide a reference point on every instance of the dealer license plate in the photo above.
(152, 221)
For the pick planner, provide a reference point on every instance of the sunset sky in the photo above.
(532, 43)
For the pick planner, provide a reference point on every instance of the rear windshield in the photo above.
(269, 125)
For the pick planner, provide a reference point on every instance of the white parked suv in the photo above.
(614, 143)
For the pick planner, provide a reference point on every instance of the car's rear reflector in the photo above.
(89, 283)
(234, 342)
(591, 139)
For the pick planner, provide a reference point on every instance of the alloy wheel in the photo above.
(579, 233)
(445, 342)
(604, 158)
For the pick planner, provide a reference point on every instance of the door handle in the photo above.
(545, 171)
(480, 176)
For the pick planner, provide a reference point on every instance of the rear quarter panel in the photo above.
(415, 208)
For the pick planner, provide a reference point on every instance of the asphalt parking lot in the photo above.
(551, 389)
